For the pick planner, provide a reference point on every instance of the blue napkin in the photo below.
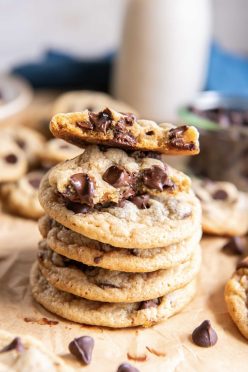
(227, 73)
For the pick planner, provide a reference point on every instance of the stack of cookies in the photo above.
(122, 228)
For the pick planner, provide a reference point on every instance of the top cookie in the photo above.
(111, 128)
(81, 100)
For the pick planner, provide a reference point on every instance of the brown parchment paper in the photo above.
(170, 340)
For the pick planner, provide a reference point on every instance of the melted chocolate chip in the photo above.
(126, 367)
(205, 335)
(84, 189)
(150, 303)
(243, 264)
(11, 158)
(116, 176)
(145, 154)
(220, 195)
(101, 121)
(156, 178)
(176, 138)
(98, 259)
(235, 245)
(142, 201)
(124, 137)
(20, 143)
(82, 348)
(77, 207)
(85, 125)
(34, 182)
(15, 344)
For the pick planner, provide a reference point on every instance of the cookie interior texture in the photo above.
(111, 128)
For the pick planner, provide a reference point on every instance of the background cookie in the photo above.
(57, 150)
(13, 162)
(21, 197)
(93, 253)
(88, 100)
(224, 208)
(106, 314)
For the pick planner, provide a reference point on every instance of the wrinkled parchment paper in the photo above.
(170, 345)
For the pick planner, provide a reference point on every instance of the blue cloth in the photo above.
(227, 73)
(59, 70)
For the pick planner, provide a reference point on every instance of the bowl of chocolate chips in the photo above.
(223, 123)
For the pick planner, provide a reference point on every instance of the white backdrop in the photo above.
(91, 27)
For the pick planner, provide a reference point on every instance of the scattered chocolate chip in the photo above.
(235, 245)
(34, 182)
(150, 133)
(128, 118)
(16, 344)
(204, 335)
(145, 154)
(126, 367)
(150, 303)
(243, 264)
(98, 259)
(124, 138)
(117, 176)
(84, 188)
(156, 178)
(20, 143)
(11, 159)
(142, 201)
(220, 195)
(178, 132)
(82, 348)
(101, 121)
(77, 207)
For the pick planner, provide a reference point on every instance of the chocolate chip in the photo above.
(81, 348)
(145, 154)
(15, 344)
(235, 245)
(243, 264)
(20, 143)
(220, 195)
(108, 285)
(85, 125)
(156, 178)
(205, 335)
(126, 367)
(77, 207)
(11, 159)
(142, 201)
(84, 188)
(124, 137)
(128, 118)
(150, 303)
(176, 138)
(34, 182)
(116, 176)
(58, 260)
(98, 259)
(101, 121)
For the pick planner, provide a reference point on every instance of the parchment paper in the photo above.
(170, 340)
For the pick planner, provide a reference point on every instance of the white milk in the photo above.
(163, 57)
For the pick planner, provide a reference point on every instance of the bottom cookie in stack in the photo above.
(115, 315)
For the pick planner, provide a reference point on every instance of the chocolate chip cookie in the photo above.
(76, 101)
(167, 219)
(13, 162)
(103, 285)
(100, 177)
(115, 315)
(21, 197)
(236, 294)
(93, 253)
(224, 208)
(111, 128)
(56, 150)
